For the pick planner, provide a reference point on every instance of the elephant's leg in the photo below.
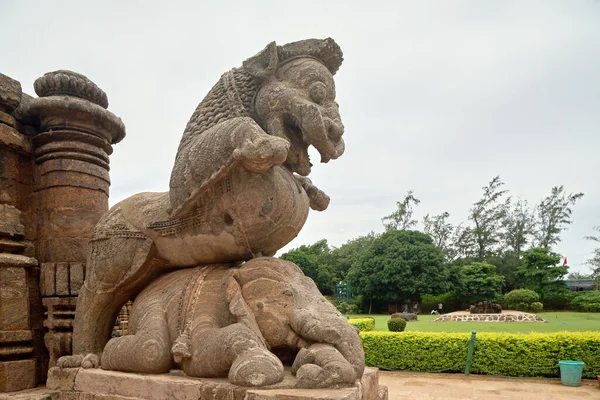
(322, 366)
(320, 322)
(146, 351)
(234, 348)
(117, 269)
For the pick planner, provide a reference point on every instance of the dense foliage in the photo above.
(518, 296)
(479, 282)
(536, 354)
(504, 245)
(399, 265)
(363, 324)
(587, 301)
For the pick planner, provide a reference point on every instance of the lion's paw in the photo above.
(262, 153)
(79, 360)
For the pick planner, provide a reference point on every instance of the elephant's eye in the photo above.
(318, 92)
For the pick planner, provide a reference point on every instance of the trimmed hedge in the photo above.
(363, 324)
(505, 354)
(396, 324)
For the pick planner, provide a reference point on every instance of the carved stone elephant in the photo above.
(216, 320)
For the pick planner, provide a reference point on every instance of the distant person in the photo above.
(440, 308)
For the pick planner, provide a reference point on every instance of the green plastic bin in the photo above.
(570, 372)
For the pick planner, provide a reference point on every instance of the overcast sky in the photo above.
(436, 96)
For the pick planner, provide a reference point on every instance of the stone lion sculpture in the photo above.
(238, 189)
(217, 320)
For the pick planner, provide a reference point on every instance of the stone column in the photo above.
(76, 134)
(17, 363)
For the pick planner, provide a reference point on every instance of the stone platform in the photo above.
(97, 384)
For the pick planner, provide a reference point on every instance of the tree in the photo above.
(402, 217)
(541, 273)
(519, 225)
(479, 282)
(594, 262)
(487, 215)
(399, 265)
(578, 276)
(464, 243)
(438, 228)
(350, 252)
(316, 262)
(553, 214)
(507, 263)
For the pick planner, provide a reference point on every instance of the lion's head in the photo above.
(295, 99)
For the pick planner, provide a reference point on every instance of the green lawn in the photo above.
(557, 321)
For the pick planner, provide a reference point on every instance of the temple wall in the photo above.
(54, 187)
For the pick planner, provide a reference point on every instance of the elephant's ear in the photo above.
(263, 65)
(240, 309)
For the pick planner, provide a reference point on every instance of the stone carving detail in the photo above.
(217, 320)
(238, 191)
(69, 83)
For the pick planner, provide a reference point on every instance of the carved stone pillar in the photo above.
(71, 150)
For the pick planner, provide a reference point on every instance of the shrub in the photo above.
(363, 324)
(535, 354)
(396, 324)
(587, 301)
(517, 296)
(521, 307)
(536, 307)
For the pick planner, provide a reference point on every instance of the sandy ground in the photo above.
(422, 386)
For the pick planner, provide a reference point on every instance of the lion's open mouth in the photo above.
(298, 158)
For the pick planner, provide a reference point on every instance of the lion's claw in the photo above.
(262, 153)
(79, 360)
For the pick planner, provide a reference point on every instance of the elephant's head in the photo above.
(296, 98)
(291, 312)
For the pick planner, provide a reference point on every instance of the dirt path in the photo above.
(422, 386)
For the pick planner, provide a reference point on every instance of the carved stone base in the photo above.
(97, 384)
(17, 375)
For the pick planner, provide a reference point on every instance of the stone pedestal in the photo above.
(97, 384)
(71, 150)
